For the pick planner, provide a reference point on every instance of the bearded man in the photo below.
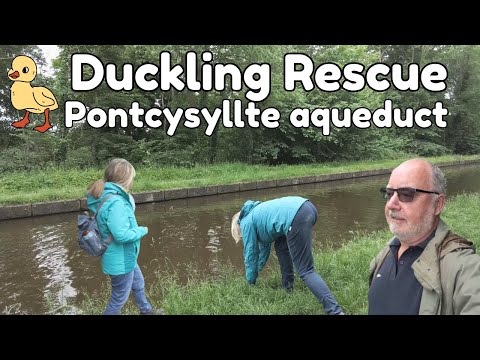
(425, 269)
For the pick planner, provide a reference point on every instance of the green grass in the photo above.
(345, 270)
(60, 184)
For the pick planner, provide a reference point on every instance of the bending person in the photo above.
(288, 222)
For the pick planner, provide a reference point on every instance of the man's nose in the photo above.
(394, 202)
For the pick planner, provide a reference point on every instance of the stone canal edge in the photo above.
(65, 206)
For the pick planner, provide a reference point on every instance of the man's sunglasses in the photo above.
(406, 194)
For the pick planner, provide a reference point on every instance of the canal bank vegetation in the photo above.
(66, 184)
(59, 163)
(345, 270)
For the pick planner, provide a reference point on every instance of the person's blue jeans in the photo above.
(295, 250)
(121, 287)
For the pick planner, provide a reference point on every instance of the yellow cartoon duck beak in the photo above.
(14, 75)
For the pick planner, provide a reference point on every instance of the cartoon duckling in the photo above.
(35, 100)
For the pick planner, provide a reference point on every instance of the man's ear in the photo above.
(440, 204)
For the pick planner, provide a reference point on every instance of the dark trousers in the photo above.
(295, 250)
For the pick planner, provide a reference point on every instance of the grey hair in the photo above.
(438, 179)
(121, 172)
(118, 171)
(236, 231)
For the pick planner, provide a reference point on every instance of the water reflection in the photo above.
(52, 258)
(40, 258)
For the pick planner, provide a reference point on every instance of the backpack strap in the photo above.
(454, 242)
(109, 237)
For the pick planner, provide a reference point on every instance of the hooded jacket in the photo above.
(117, 217)
(449, 272)
(262, 223)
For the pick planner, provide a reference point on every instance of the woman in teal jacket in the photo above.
(287, 222)
(117, 218)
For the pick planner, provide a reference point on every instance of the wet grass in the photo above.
(61, 184)
(345, 270)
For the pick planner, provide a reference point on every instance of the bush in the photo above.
(23, 159)
(81, 158)
(427, 148)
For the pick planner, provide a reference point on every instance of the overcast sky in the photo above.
(50, 52)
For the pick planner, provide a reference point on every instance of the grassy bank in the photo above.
(345, 270)
(59, 184)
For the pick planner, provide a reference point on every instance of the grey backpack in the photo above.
(89, 237)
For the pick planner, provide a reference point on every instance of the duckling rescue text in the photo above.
(249, 89)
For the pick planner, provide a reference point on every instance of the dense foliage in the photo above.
(84, 147)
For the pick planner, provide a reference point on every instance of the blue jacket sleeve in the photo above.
(122, 224)
(264, 254)
(250, 253)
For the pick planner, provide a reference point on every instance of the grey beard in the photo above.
(414, 231)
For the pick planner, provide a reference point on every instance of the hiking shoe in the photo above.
(154, 312)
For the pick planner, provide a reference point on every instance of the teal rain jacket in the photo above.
(261, 223)
(117, 217)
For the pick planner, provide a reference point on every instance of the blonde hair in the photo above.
(236, 231)
(96, 188)
(118, 171)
